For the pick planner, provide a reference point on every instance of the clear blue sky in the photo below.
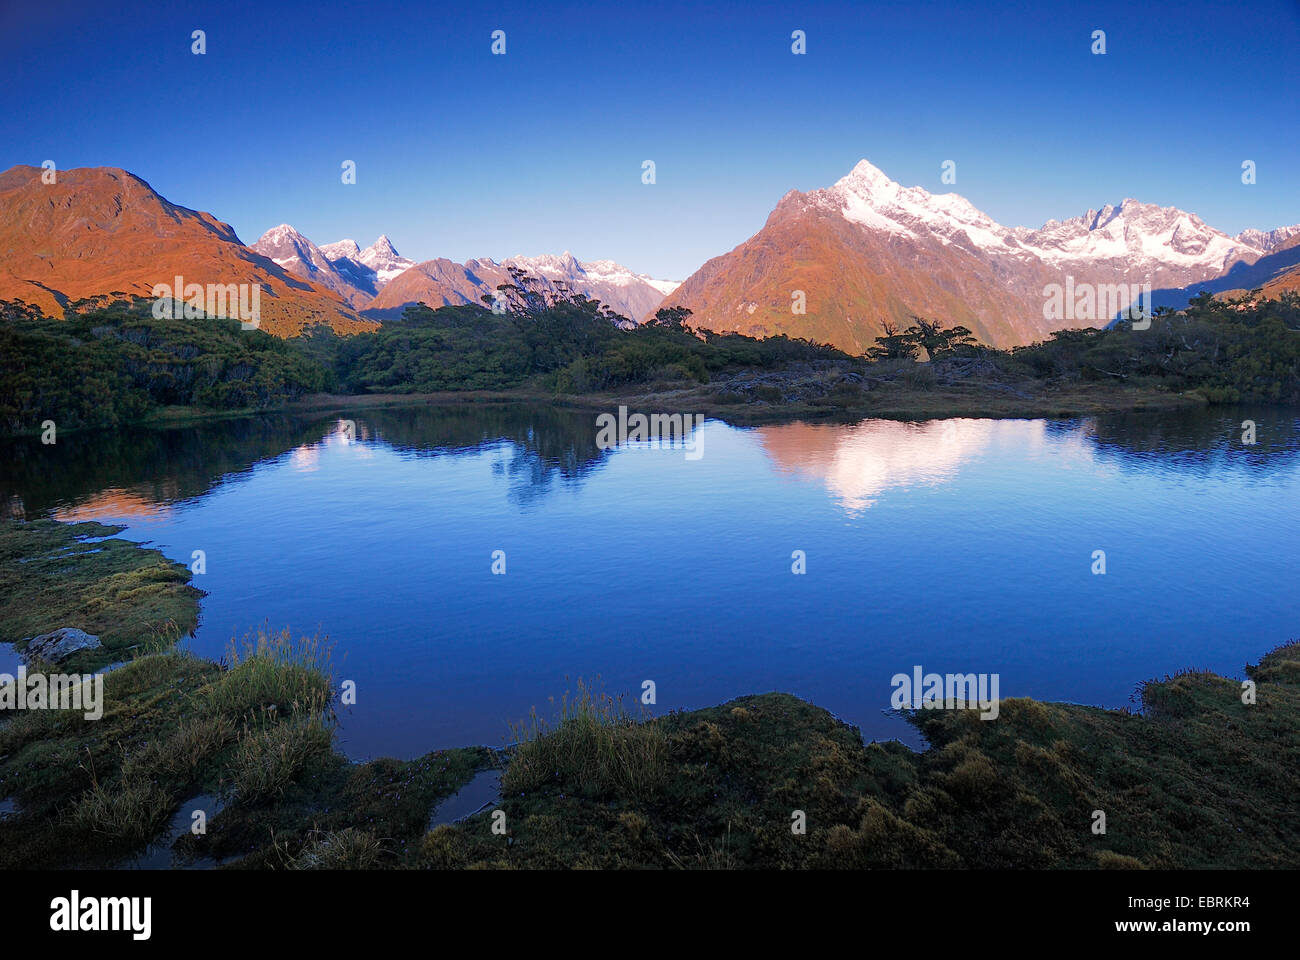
(461, 153)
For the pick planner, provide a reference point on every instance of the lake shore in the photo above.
(895, 403)
(756, 398)
(1202, 775)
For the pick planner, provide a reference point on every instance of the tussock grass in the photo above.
(597, 747)
(181, 755)
(267, 762)
(272, 675)
(132, 810)
(145, 674)
(21, 727)
(346, 849)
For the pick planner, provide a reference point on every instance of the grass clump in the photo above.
(596, 748)
(271, 675)
(132, 811)
(268, 762)
(181, 755)
(346, 849)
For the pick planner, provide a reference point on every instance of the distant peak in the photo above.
(867, 173)
(340, 248)
(281, 234)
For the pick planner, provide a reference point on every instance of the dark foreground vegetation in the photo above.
(1195, 778)
(112, 362)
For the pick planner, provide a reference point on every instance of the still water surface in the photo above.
(959, 546)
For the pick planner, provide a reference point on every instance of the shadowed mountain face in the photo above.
(867, 251)
(99, 230)
(295, 253)
(354, 274)
(1275, 274)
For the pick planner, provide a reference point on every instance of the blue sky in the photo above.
(461, 153)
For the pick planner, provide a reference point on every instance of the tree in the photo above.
(671, 318)
(931, 336)
(893, 345)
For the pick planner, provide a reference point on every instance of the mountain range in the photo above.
(442, 281)
(354, 274)
(861, 254)
(867, 252)
(100, 230)
(385, 283)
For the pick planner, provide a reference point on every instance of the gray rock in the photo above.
(59, 645)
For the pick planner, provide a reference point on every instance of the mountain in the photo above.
(354, 274)
(439, 282)
(382, 259)
(291, 250)
(1269, 240)
(1164, 246)
(633, 295)
(867, 251)
(1286, 276)
(101, 230)
(1276, 272)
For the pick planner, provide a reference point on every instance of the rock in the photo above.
(59, 645)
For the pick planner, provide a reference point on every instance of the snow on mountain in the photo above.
(382, 258)
(355, 274)
(1170, 246)
(1167, 245)
(291, 250)
(438, 282)
(360, 275)
(867, 252)
(1268, 240)
(633, 295)
(340, 249)
(868, 197)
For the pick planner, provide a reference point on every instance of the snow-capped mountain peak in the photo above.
(383, 259)
(871, 253)
(1131, 235)
(1137, 236)
(1268, 240)
(295, 253)
(609, 282)
(866, 178)
(340, 249)
(870, 198)
(360, 275)
(286, 246)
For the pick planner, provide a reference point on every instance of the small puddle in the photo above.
(158, 856)
(481, 792)
(8, 808)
